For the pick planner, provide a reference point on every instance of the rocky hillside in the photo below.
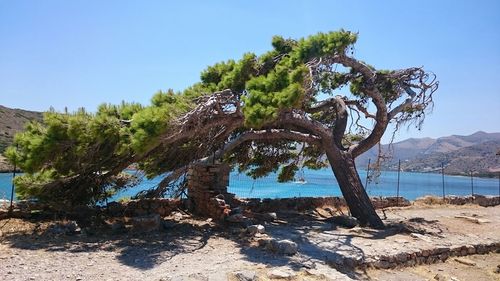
(480, 159)
(459, 154)
(11, 122)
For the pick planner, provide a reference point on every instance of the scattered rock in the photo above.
(465, 261)
(68, 228)
(356, 229)
(269, 217)
(285, 247)
(345, 221)
(73, 228)
(178, 216)
(254, 229)
(236, 218)
(498, 269)
(246, 275)
(280, 274)
(421, 237)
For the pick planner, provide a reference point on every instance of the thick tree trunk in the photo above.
(355, 195)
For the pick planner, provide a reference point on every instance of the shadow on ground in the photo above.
(146, 250)
(140, 250)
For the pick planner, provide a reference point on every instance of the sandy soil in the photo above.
(196, 250)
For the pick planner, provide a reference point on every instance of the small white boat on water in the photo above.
(300, 180)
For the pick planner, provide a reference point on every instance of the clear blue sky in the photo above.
(83, 53)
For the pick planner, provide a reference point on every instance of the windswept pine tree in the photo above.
(307, 102)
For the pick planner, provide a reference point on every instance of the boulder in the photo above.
(285, 247)
(280, 274)
(254, 229)
(269, 217)
(440, 277)
(246, 275)
(344, 221)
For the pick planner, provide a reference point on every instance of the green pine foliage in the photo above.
(77, 157)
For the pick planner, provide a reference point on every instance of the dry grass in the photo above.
(430, 200)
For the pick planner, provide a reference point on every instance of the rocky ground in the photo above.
(191, 249)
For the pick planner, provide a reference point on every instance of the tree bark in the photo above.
(344, 169)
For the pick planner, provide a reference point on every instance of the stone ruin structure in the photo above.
(207, 190)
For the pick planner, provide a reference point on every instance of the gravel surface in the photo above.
(196, 250)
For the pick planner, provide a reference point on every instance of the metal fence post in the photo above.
(397, 192)
(13, 187)
(472, 183)
(367, 174)
(442, 177)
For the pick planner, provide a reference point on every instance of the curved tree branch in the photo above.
(369, 88)
(271, 134)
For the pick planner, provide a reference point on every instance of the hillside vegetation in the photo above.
(11, 122)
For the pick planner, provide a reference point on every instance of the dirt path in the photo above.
(192, 250)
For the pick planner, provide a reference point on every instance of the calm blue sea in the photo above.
(322, 183)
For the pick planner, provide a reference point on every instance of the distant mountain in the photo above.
(460, 154)
(479, 158)
(11, 122)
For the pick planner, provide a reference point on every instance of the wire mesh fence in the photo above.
(322, 183)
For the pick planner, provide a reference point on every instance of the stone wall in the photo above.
(142, 207)
(485, 201)
(310, 203)
(418, 257)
